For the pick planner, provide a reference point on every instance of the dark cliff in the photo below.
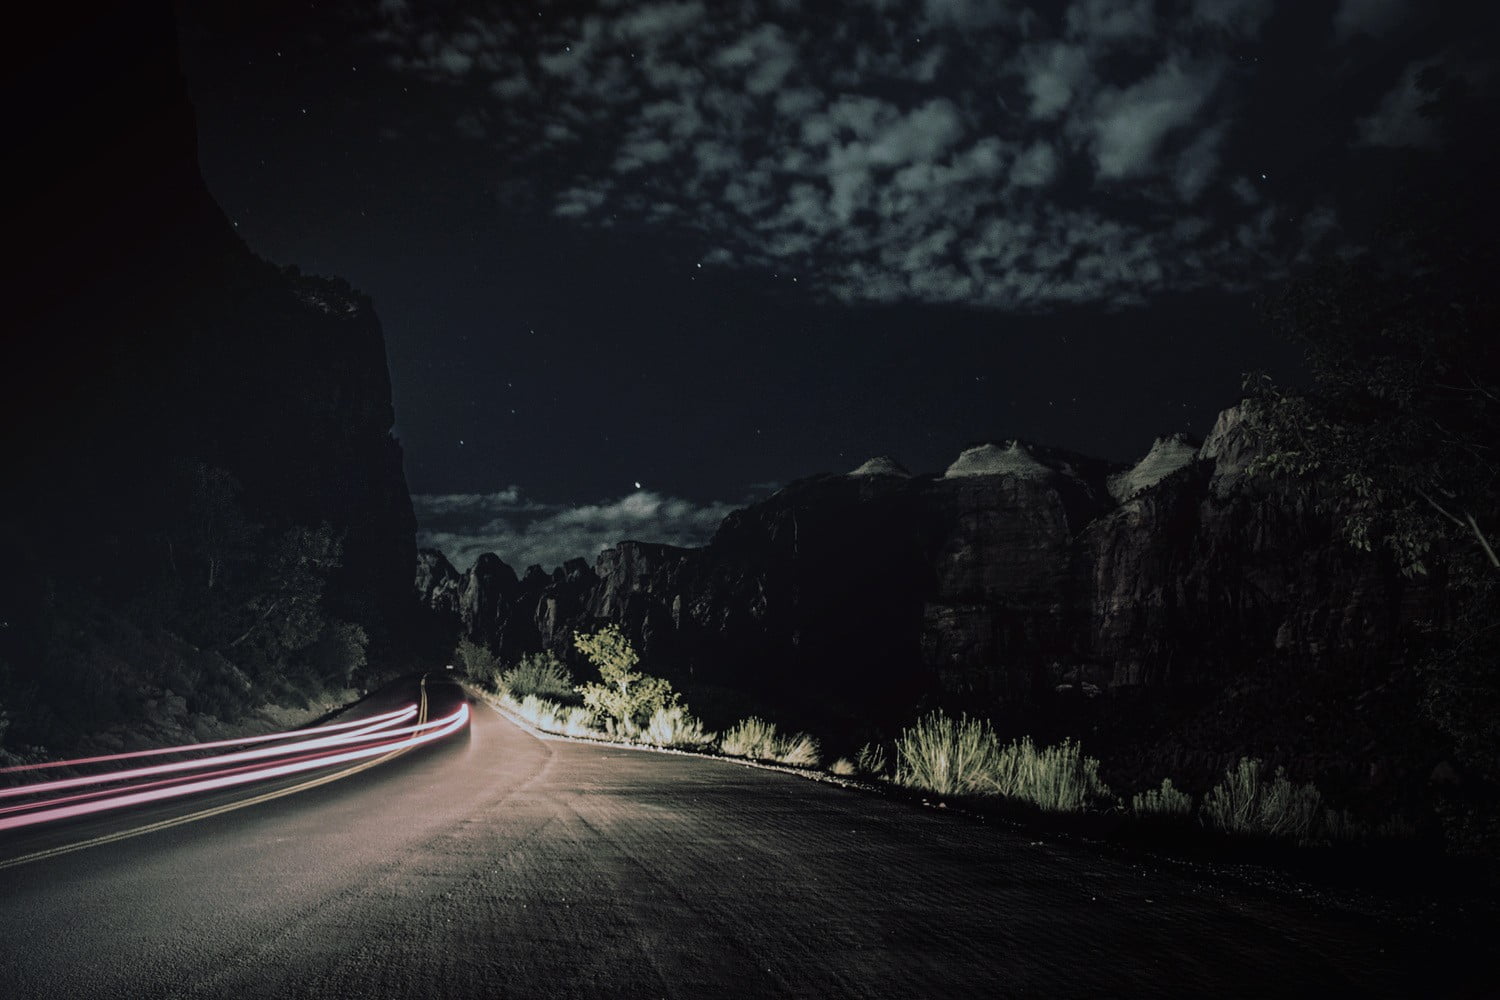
(1016, 582)
(146, 339)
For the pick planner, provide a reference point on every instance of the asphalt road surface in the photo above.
(496, 864)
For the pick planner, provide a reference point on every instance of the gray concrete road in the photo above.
(501, 865)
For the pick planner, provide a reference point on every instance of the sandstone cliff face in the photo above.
(1019, 570)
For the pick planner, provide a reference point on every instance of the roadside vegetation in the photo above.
(757, 739)
(624, 705)
(959, 758)
(965, 759)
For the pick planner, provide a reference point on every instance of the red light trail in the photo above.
(329, 746)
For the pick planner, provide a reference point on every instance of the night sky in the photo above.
(640, 262)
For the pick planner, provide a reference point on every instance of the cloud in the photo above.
(1054, 74)
(971, 152)
(653, 23)
(1035, 167)
(1243, 18)
(763, 55)
(1111, 20)
(1368, 17)
(1398, 120)
(1130, 123)
(1197, 163)
(523, 532)
(576, 202)
(968, 13)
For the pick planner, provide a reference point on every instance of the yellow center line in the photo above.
(167, 824)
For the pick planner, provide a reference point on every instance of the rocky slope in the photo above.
(171, 397)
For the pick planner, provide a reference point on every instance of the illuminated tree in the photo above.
(625, 697)
(1398, 440)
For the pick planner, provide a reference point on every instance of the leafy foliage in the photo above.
(541, 674)
(1398, 434)
(1399, 430)
(479, 663)
(1397, 439)
(338, 654)
(624, 697)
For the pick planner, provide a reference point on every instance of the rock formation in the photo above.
(157, 342)
(1018, 570)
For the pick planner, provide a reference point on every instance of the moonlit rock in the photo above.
(881, 465)
(994, 460)
(1167, 455)
(1231, 446)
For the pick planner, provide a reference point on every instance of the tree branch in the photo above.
(255, 624)
(1482, 540)
(1439, 508)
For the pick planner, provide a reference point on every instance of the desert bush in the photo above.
(843, 767)
(947, 756)
(541, 674)
(1342, 826)
(674, 727)
(871, 760)
(800, 750)
(1166, 802)
(757, 739)
(963, 756)
(1058, 779)
(569, 720)
(481, 665)
(625, 698)
(1246, 803)
(754, 738)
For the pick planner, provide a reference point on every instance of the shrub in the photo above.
(1058, 779)
(758, 739)
(569, 720)
(947, 756)
(674, 727)
(843, 767)
(964, 757)
(754, 738)
(1245, 803)
(625, 698)
(1340, 825)
(800, 750)
(1166, 802)
(481, 665)
(339, 653)
(541, 674)
(871, 760)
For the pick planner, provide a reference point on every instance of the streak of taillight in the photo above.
(102, 793)
(418, 734)
(134, 774)
(215, 745)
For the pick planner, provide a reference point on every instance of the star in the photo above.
(637, 485)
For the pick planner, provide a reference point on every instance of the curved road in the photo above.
(496, 864)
